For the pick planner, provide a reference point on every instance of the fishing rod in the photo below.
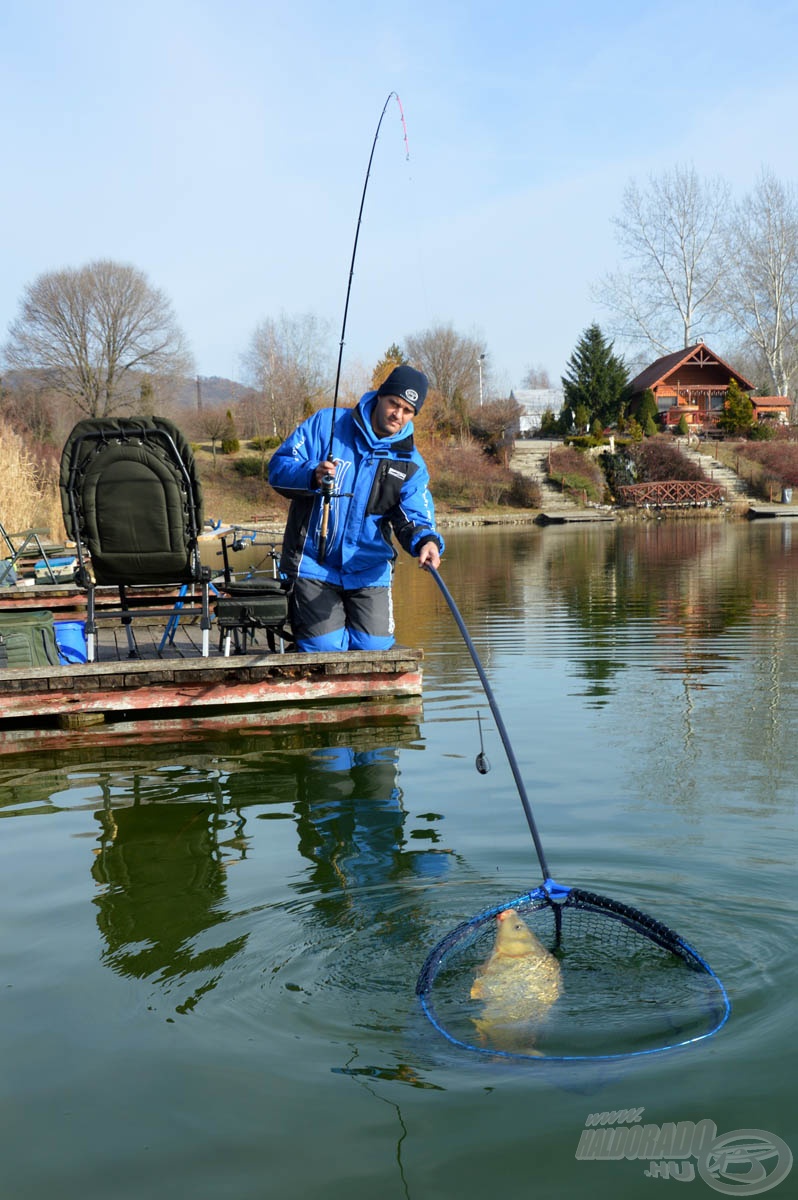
(328, 481)
(519, 783)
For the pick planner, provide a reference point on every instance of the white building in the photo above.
(536, 401)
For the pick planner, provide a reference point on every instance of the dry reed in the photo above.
(29, 496)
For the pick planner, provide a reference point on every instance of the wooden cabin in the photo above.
(692, 383)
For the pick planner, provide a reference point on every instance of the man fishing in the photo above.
(354, 478)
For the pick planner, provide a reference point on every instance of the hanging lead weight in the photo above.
(482, 764)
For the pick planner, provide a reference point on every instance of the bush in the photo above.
(463, 475)
(250, 467)
(659, 459)
(778, 460)
(577, 473)
(523, 492)
(230, 445)
(619, 469)
(265, 443)
(585, 441)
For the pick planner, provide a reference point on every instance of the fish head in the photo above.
(514, 938)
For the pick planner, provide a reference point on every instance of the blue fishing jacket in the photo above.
(380, 489)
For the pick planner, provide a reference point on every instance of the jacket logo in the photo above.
(395, 473)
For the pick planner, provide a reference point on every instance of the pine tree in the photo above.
(596, 378)
(738, 411)
(647, 408)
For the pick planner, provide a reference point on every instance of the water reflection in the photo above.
(169, 836)
(588, 588)
(163, 887)
(351, 819)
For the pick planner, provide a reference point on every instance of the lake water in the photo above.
(210, 950)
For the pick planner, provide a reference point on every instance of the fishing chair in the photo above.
(15, 552)
(132, 502)
(256, 603)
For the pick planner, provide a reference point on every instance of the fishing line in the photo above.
(328, 481)
(602, 942)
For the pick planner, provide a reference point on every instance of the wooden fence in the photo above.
(675, 493)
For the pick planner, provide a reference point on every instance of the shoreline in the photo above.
(486, 518)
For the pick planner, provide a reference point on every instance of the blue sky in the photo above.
(222, 147)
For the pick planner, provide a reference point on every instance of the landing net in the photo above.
(628, 984)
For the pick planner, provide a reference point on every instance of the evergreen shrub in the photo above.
(249, 467)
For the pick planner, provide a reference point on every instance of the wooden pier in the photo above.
(170, 682)
(771, 512)
(574, 516)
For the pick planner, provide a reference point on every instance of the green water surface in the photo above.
(209, 950)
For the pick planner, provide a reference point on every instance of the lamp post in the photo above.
(480, 361)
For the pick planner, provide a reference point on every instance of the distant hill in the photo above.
(212, 391)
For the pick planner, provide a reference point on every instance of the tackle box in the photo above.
(61, 570)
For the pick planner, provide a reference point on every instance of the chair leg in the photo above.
(174, 620)
(205, 621)
(91, 627)
(133, 650)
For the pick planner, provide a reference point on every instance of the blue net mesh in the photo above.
(620, 983)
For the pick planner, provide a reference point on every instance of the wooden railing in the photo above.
(675, 493)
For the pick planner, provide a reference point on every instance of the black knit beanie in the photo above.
(408, 384)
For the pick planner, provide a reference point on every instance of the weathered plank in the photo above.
(153, 684)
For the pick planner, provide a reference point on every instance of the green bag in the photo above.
(28, 639)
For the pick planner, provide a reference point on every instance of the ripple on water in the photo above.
(327, 967)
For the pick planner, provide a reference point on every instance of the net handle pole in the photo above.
(519, 783)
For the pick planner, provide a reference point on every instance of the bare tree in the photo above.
(288, 361)
(212, 423)
(28, 406)
(96, 331)
(453, 364)
(536, 377)
(495, 425)
(761, 295)
(669, 234)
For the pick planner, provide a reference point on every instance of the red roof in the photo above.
(696, 356)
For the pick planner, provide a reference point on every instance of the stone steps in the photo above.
(530, 458)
